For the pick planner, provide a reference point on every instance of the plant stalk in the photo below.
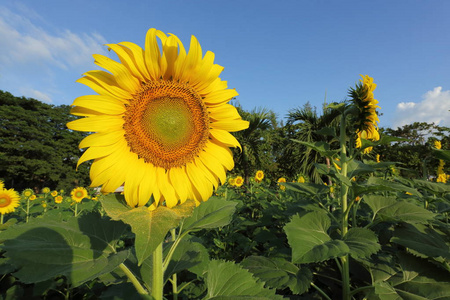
(158, 273)
(133, 279)
(345, 271)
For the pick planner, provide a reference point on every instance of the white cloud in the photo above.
(24, 42)
(37, 95)
(434, 108)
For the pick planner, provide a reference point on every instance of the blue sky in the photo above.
(277, 54)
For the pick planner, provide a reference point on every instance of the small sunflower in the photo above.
(232, 181)
(367, 117)
(282, 180)
(58, 199)
(32, 197)
(27, 193)
(9, 200)
(46, 190)
(437, 144)
(301, 179)
(78, 194)
(238, 181)
(161, 121)
(54, 193)
(259, 176)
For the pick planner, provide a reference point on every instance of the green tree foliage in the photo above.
(415, 153)
(36, 148)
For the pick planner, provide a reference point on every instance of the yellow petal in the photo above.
(225, 111)
(180, 180)
(214, 165)
(100, 103)
(123, 76)
(166, 189)
(224, 155)
(204, 187)
(222, 96)
(84, 112)
(152, 54)
(102, 139)
(126, 57)
(100, 123)
(138, 57)
(102, 85)
(232, 125)
(225, 138)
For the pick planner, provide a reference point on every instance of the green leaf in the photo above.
(322, 147)
(362, 242)
(308, 188)
(357, 168)
(405, 212)
(216, 212)
(278, 273)
(433, 187)
(442, 154)
(308, 238)
(422, 239)
(327, 131)
(150, 227)
(188, 255)
(390, 209)
(227, 280)
(80, 248)
(385, 291)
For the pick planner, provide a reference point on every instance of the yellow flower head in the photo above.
(232, 181)
(27, 193)
(46, 190)
(259, 176)
(32, 197)
(367, 118)
(282, 179)
(437, 144)
(442, 178)
(238, 181)
(78, 194)
(54, 193)
(9, 200)
(301, 179)
(161, 121)
(378, 158)
(58, 199)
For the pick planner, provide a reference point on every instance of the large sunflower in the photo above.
(161, 121)
(9, 200)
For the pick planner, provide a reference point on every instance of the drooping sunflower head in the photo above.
(27, 193)
(259, 176)
(238, 181)
(161, 121)
(46, 190)
(366, 117)
(9, 200)
(78, 194)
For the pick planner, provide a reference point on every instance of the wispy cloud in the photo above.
(24, 42)
(434, 108)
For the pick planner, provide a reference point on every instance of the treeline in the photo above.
(37, 149)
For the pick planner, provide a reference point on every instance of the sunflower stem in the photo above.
(158, 273)
(133, 279)
(28, 209)
(1, 219)
(174, 276)
(76, 209)
(345, 271)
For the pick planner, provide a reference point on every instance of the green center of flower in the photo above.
(167, 121)
(166, 124)
(4, 201)
(78, 194)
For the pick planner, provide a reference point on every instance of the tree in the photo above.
(36, 148)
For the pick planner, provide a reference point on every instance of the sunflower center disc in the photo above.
(4, 201)
(166, 124)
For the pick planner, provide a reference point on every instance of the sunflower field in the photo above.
(179, 193)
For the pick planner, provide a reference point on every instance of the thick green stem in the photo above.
(1, 219)
(345, 271)
(174, 276)
(133, 279)
(28, 209)
(158, 273)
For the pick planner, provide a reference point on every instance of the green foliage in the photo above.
(226, 280)
(79, 248)
(36, 148)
